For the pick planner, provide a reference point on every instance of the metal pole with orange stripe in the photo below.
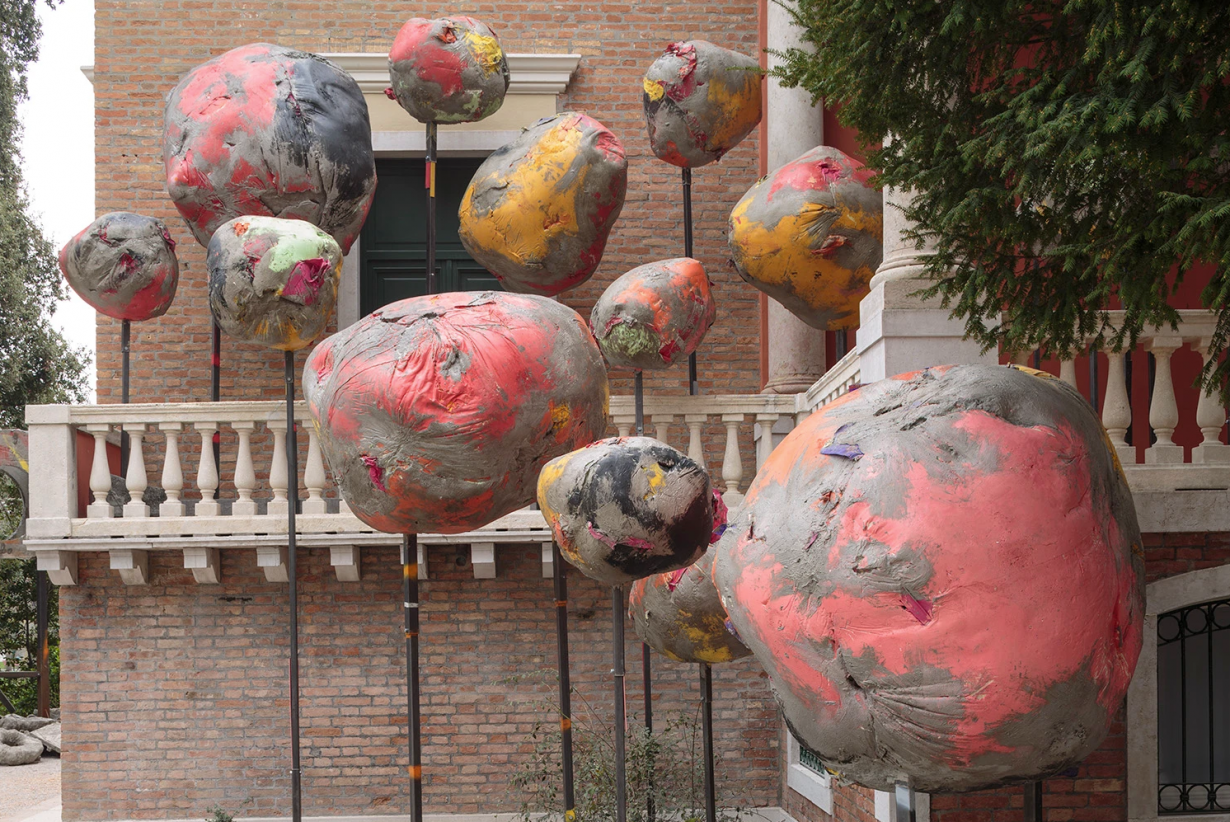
(565, 679)
(410, 601)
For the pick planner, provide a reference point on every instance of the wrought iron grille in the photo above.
(810, 760)
(1193, 696)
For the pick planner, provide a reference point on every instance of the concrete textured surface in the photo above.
(28, 789)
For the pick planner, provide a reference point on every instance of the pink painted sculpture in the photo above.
(655, 315)
(810, 235)
(942, 574)
(437, 413)
(264, 130)
(680, 615)
(273, 281)
(628, 507)
(539, 210)
(123, 265)
(450, 70)
(700, 100)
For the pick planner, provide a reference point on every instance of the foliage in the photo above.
(1066, 156)
(667, 766)
(23, 693)
(38, 363)
(19, 634)
(216, 814)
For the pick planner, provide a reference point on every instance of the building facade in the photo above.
(174, 625)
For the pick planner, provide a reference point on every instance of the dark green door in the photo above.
(394, 240)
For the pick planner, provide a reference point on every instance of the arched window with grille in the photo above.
(1193, 709)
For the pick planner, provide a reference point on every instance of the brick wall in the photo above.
(175, 694)
(851, 803)
(143, 47)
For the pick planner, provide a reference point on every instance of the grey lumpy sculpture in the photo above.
(680, 615)
(264, 130)
(123, 265)
(273, 281)
(450, 70)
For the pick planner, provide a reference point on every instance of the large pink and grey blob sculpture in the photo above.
(679, 614)
(628, 507)
(539, 210)
(269, 131)
(700, 101)
(654, 315)
(450, 70)
(273, 281)
(123, 265)
(810, 235)
(942, 574)
(437, 413)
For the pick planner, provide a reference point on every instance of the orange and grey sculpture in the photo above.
(628, 507)
(539, 210)
(123, 265)
(437, 413)
(450, 70)
(701, 100)
(942, 574)
(679, 614)
(810, 235)
(269, 131)
(655, 315)
(273, 281)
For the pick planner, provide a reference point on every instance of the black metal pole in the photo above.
(617, 651)
(410, 600)
(565, 679)
(431, 207)
(1093, 377)
(125, 347)
(215, 384)
(1033, 802)
(693, 386)
(292, 471)
(706, 719)
(646, 665)
(842, 343)
(43, 665)
(904, 796)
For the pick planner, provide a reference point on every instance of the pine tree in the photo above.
(1068, 157)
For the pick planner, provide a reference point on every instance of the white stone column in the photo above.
(795, 126)
(899, 332)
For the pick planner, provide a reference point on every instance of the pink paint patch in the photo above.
(375, 472)
(306, 280)
(920, 609)
(674, 578)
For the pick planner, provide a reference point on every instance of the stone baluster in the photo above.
(732, 462)
(1067, 372)
(207, 473)
(279, 505)
(172, 472)
(1117, 409)
(696, 448)
(765, 445)
(623, 424)
(314, 476)
(245, 471)
(137, 480)
(662, 426)
(1210, 416)
(1163, 410)
(100, 473)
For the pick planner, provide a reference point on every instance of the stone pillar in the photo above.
(898, 332)
(795, 126)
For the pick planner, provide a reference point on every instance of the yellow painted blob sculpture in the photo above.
(539, 210)
(700, 101)
(810, 235)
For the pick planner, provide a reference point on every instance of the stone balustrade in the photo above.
(171, 446)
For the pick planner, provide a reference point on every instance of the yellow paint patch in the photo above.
(656, 477)
(548, 476)
(533, 210)
(561, 415)
(739, 103)
(486, 50)
(655, 89)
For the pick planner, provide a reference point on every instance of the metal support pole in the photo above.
(431, 208)
(1033, 802)
(646, 665)
(842, 343)
(565, 679)
(215, 383)
(904, 796)
(410, 600)
(43, 665)
(693, 385)
(125, 381)
(706, 701)
(1093, 377)
(292, 472)
(617, 651)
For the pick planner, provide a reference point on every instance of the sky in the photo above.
(58, 144)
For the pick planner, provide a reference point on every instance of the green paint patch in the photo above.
(632, 340)
(304, 243)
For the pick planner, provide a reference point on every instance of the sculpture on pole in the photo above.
(450, 70)
(123, 265)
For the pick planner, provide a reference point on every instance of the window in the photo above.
(1193, 709)
(393, 245)
(806, 774)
